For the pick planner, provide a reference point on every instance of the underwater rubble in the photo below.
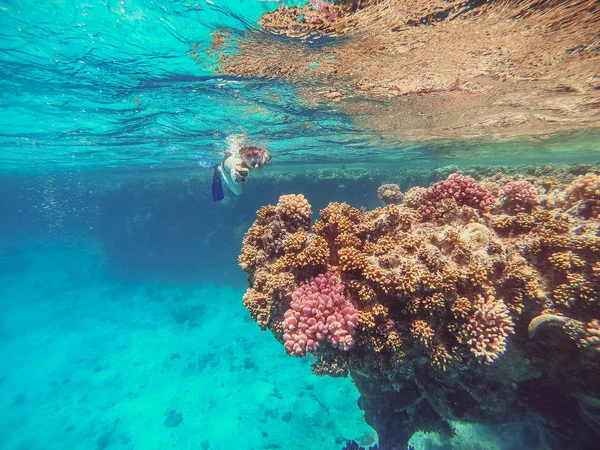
(473, 301)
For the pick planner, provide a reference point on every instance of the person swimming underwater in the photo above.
(235, 167)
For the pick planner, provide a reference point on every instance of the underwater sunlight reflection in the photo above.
(314, 225)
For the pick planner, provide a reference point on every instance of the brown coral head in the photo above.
(390, 194)
(294, 211)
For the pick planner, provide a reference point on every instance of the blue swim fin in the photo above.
(217, 186)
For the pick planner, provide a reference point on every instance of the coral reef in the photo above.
(437, 308)
(390, 194)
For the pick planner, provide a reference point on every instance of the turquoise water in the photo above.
(111, 85)
(93, 362)
(120, 292)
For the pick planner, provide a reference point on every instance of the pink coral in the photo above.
(463, 189)
(326, 9)
(519, 196)
(488, 329)
(319, 310)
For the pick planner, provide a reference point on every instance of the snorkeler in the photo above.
(235, 167)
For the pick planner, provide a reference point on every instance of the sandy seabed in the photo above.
(88, 362)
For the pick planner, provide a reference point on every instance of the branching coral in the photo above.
(488, 329)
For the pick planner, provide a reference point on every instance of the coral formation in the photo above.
(488, 328)
(518, 197)
(592, 335)
(584, 194)
(319, 310)
(465, 191)
(390, 194)
(414, 197)
(446, 283)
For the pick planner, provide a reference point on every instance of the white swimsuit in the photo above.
(227, 169)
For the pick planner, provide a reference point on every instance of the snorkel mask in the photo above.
(254, 157)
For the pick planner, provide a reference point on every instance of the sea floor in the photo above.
(92, 363)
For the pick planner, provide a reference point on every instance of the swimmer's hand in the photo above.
(239, 173)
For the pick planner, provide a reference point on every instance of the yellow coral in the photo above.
(434, 302)
(294, 211)
(422, 332)
(413, 305)
(295, 242)
(477, 274)
(431, 257)
(440, 357)
(406, 281)
(566, 260)
(316, 254)
(381, 247)
(393, 341)
(259, 305)
(265, 213)
(524, 222)
(377, 277)
(352, 259)
(596, 270)
(409, 241)
(247, 258)
(377, 343)
(348, 240)
(449, 278)
(586, 188)
(565, 295)
(380, 311)
(431, 281)
(283, 264)
(551, 241)
(558, 225)
(366, 319)
(461, 308)
(363, 291)
(502, 223)
(592, 335)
